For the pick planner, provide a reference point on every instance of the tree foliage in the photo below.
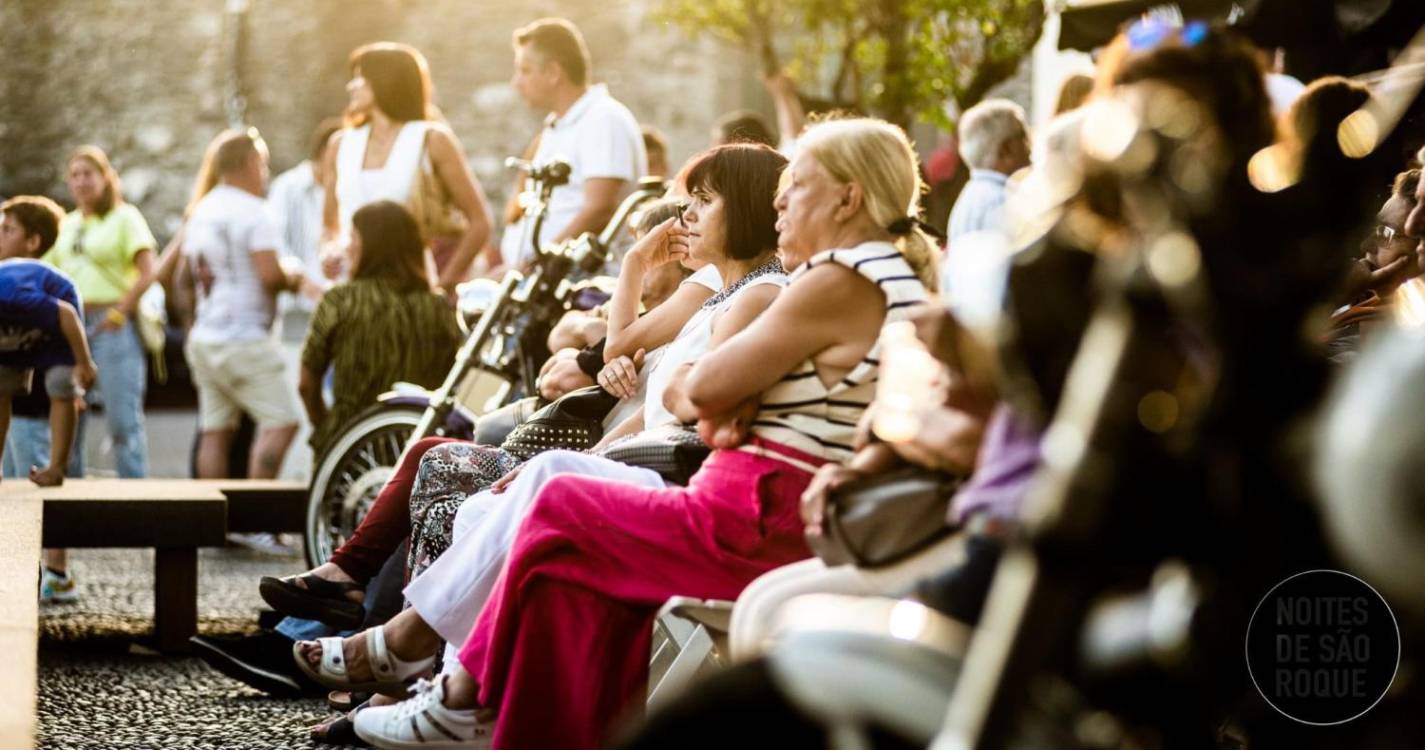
(897, 59)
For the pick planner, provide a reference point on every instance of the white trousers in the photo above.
(754, 616)
(453, 590)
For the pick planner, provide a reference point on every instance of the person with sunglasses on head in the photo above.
(106, 247)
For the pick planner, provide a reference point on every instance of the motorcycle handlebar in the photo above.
(550, 174)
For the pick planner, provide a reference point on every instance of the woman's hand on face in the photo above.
(813, 506)
(666, 243)
(731, 429)
(620, 377)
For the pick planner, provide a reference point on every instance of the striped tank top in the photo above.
(802, 412)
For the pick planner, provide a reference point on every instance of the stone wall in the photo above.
(151, 80)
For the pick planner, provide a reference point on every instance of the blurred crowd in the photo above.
(1111, 359)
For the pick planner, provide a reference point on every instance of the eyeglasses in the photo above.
(1385, 233)
(1151, 33)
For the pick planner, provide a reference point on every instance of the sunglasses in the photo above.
(1151, 33)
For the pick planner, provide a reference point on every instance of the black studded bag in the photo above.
(574, 421)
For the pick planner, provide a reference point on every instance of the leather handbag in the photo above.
(674, 451)
(884, 518)
(574, 421)
(430, 204)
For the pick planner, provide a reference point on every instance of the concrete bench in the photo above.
(173, 516)
(20, 519)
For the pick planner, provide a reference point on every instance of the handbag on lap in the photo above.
(672, 450)
(884, 518)
(574, 421)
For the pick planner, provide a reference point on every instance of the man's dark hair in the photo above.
(321, 134)
(1406, 183)
(399, 78)
(37, 215)
(744, 126)
(745, 175)
(234, 150)
(558, 41)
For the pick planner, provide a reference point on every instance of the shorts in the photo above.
(59, 381)
(233, 377)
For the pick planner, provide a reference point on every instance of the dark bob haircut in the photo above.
(746, 176)
(399, 78)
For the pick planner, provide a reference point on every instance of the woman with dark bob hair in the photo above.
(384, 325)
(731, 237)
(395, 148)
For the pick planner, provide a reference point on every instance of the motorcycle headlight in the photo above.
(473, 298)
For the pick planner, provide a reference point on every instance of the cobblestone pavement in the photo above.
(97, 689)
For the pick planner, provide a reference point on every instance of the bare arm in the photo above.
(72, 326)
(831, 315)
(331, 219)
(790, 115)
(270, 273)
(601, 196)
(627, 332)
(561, 374)
(143, 261)
(448, 160)
(309, 386)
(576, 330)
(750, 304)
(168, 260)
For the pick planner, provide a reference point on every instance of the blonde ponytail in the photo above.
(878, 156)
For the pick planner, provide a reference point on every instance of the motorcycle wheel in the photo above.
(351, 475)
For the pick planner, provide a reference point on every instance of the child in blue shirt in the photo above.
(41, 327)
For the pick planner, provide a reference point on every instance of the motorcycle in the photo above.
(506, 326)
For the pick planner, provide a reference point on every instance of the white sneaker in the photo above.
(422, 721)
(58, 589)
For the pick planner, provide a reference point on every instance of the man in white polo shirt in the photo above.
(586, 127)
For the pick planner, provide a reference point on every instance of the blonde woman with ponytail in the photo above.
(565, 630)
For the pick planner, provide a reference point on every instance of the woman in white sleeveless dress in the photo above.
(392, 141)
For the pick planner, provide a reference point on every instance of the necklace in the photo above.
(772, 266)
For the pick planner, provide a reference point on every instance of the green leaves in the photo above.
(898, 59)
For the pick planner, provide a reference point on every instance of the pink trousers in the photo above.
(561, 648)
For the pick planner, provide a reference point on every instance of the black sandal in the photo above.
(320, 599)
(338, 731)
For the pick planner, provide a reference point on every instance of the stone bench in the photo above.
(173, 516)
(20, 519)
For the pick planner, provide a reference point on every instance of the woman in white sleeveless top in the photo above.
(393, 140)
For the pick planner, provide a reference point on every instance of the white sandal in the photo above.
(390, 673)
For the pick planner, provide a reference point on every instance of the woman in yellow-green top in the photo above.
(106, 247)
